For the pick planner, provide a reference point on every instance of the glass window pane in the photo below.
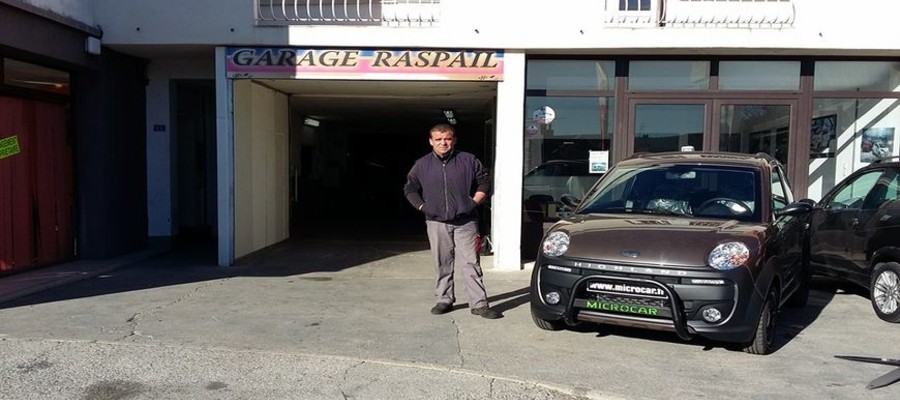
(31, 76)
(780, 197)
(634, 5)
(557, 150)
(668, 75)
(668, 127)
(571, 75)
(759, 75)
(755, 128)
(863, 130)
(853, 195)
(679, 189)
(881, 76)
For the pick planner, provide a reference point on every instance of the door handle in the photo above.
(854, 222)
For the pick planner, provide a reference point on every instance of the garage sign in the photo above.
(356, 64)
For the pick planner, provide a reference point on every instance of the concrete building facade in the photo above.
(268, 119)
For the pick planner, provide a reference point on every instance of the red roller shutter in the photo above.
(35, 186)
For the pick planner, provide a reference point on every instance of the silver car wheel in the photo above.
(886, 292)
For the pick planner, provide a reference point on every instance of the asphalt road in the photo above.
(350, 320)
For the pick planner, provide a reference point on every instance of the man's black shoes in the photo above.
(441, 308)
(486, 312)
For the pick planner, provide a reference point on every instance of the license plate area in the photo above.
(624, 297)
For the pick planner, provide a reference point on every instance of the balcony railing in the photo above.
(348, 12)
(700, 13)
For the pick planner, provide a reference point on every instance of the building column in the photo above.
(224, 162)
(506, 212)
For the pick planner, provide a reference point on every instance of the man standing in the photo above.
(446, 185)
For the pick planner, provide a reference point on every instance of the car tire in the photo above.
(764, 339)
(547, 325)
(884, 291)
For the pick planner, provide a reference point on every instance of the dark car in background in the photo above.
(546, 184)
(700, 244)
(854, 235)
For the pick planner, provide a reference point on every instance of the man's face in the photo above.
(442, 142)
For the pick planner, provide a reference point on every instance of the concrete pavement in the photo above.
(331, 319)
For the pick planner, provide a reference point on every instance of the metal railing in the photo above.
(702, 13)
(348, 12)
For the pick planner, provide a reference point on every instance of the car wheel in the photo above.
(547, 325)
(764, 338)
(885, 291)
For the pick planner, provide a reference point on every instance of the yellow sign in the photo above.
(9, 146)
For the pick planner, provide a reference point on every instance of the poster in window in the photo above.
(877, 143)
(823, 134)
(599, 161)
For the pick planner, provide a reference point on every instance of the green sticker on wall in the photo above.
(9, 147)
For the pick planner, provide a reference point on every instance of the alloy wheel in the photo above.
(886, 292)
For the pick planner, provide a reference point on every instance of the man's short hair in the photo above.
(442, 128)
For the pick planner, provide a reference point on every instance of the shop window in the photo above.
(668, 75)
(567, 143)
(759, 75)
(668, 127)
(857, 76)
(35, 77)
(848, 134)
(571, 75)
(755, 128)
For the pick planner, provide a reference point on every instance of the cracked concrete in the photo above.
(356, 324)
(462, 357)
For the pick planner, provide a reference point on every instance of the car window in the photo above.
(575, 169)
(853, 194)
(781, 196)
(689, 190)
(885, 190)
(544, 170)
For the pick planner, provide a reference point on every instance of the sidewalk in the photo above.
(41, 279)
(324, 309)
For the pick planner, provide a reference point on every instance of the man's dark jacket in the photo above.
(444, 186)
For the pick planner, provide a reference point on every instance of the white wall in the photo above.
(260, 167)
(79, 10)
(863, 27)
(507, 199)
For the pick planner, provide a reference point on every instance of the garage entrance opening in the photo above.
(353, 142)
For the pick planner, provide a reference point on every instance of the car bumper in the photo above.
(667, 299)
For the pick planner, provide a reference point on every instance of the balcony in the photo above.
(700, 13)
(399, 13)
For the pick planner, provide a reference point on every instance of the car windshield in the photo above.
(703, 191)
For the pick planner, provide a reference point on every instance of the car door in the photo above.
(876, 225)
(790, 229)
(832, 223)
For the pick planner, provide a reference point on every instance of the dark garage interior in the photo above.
(353, 142)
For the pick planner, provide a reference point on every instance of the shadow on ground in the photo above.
(196, 262)
(791, 321)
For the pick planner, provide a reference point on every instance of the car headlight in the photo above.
(555, 244)
(728, 255)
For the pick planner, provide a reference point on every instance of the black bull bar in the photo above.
(678, 322)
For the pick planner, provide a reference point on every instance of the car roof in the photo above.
(758, 160)
(884, 161)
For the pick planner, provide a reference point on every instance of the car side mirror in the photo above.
(570, 200)
(794, 209)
